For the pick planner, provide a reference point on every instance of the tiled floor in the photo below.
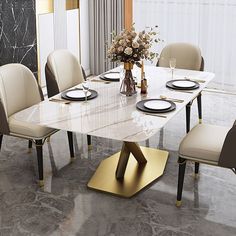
(67, 207)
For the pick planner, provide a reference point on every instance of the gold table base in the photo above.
(137, 174)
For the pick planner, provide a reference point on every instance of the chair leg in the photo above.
(39, 150)
(188, 112)
(71, 145)
(1, 137)
(89, 141)
(182, 165)
(196, 171)
(30, 143)
(199, 105)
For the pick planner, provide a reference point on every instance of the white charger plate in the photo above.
(157, 105)
(114, 75)
(183, 84)
(77, 94)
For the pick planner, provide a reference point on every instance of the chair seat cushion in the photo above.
(204, 142)
(24, 128)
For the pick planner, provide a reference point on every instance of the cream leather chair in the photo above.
(187, 57)
(62, 72)
(208, 144)
(19, 90)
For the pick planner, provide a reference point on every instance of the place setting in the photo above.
(182, 85)
(155, 106)
(112, 76)
(80, 94)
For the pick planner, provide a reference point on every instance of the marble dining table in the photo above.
(114, 116)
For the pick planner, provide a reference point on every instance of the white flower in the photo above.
(135, 45)
(128, 51)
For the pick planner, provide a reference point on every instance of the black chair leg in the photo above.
(199, 105)
(71, 145)
(188, 112)
(182, 165)
(89, 141)
(196, 169)
(30, 143)
(39, 150)
(1, 137)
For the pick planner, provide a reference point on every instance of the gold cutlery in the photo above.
(101, 81)
(150, 114)
(59, 100)
(197, 80)
(171, 99)
(181, 91)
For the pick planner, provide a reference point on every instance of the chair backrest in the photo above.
(65, 69)
(228, 153)
(18, 88)
(187, 56)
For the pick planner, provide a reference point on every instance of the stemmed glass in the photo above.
(85, 86)
(172, 64)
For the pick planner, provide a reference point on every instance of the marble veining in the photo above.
(66, 207)
(18, 33)
(112, 115)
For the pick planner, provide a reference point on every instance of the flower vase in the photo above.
(128, 85)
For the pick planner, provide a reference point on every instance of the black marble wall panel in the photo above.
(18, 33)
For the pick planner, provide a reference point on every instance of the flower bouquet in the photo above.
(130, 47)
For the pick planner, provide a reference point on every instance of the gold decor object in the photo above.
(128, 172)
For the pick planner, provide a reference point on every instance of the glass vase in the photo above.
(127, 87)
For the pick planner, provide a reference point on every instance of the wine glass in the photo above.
(172, 64)
(85, 86)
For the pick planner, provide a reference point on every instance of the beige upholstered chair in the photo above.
(209, 144)
(19, 90)
(63, 72)
(187, 57)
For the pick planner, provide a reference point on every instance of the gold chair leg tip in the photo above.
(41, 183)
(196, 176)
(72, 159)
(200, 121)
(29, 150)
(178, 203)
(90, 147)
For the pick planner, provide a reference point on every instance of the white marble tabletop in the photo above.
(112, 115)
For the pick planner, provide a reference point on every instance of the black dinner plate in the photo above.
(140, 106)
(169, 84)
(103, 76)
(94, 94)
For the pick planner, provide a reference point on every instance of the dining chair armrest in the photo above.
(52, 86)
(228, 153)
(4, 127)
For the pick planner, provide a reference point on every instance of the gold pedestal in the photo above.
(125, 174)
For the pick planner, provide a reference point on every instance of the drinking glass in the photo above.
(85, 86)
(172, 63)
